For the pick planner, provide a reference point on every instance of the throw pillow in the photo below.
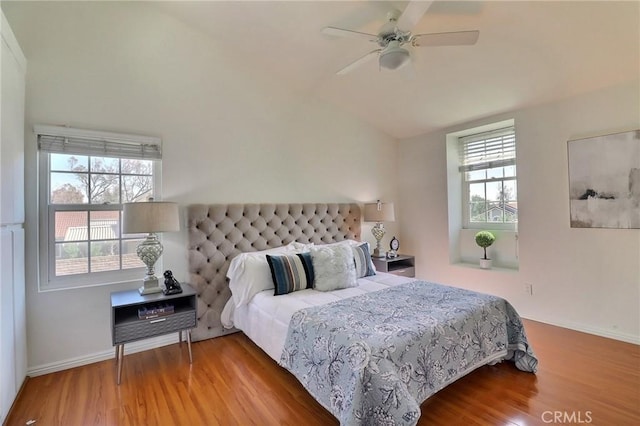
(333, 267)
(291, 272)
(362, 259)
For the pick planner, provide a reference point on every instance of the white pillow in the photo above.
(348, 242)
(333, 267)
(301, 247)
(249, 274)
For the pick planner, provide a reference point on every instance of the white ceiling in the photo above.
(528, 53)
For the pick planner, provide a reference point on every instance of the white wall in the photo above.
(586, 279)
(233, 134)
(230, 134)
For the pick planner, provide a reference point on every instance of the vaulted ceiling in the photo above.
(528, 52)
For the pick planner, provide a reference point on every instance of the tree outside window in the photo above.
(86, 195)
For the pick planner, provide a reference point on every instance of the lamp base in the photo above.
(149, 251)
(150, 286)
(378, 232)
(378, 253)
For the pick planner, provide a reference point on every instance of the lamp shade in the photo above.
(150, 216)
(379, 212)
(394, 56)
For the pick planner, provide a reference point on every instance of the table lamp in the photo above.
(378, 212)
(150, 217)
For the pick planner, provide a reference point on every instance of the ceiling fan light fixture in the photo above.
(394, 56)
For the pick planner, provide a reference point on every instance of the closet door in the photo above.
(19, 306)
(12, 129)
(13, 335)
(8, 370)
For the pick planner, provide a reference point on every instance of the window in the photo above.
(482, 192)
(85, 177)
(489, 186)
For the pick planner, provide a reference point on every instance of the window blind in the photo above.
(63, 140)
(496, 148)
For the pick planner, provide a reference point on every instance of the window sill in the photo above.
(498, 268)
(88, 284)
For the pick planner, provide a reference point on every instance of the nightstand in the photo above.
(400, 265)
(130, 322)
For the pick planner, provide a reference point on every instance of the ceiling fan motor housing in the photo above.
(390, 39)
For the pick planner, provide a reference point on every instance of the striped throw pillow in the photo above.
(291, 272)
(362, 258)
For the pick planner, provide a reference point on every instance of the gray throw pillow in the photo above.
(333, 267)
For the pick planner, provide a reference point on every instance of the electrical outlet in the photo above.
(528, 288)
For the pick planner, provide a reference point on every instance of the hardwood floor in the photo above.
(582, 379)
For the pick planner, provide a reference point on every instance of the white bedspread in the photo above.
(265, 319)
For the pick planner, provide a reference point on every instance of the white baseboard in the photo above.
(616, 335)
(129, 348)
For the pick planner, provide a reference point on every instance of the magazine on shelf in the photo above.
(148, 312)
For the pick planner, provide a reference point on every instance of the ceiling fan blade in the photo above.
(369, 56)
(340, 32)
(412, 14)
(456, 38)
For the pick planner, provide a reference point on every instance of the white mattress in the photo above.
(265, 319)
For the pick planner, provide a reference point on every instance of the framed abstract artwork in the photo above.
(604, 181)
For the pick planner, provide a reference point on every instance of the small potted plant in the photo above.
(484, 239)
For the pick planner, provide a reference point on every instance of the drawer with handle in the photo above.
(142, 329)
(405, 272)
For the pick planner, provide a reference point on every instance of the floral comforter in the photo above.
(373, 359)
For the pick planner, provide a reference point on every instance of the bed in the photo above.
(370, 347)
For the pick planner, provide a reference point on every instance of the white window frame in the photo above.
(82, 143)
(483, 162)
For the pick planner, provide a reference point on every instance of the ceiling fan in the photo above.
(396, 33)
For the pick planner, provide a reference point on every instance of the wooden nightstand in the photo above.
(127, 326)
(400, 265)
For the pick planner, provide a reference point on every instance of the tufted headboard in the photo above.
(219, 232)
